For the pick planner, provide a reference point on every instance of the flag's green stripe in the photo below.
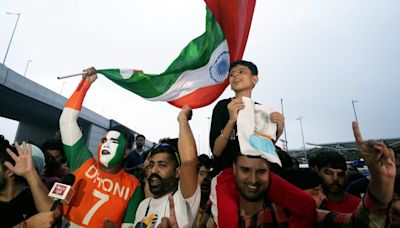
(195, 55)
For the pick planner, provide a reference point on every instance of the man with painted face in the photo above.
(172, 172)
(104, 193)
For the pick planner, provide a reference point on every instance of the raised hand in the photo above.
(91, 74)
(381, 164)
(234, 106)
(185, 114)
(377, 156)
(23, 161)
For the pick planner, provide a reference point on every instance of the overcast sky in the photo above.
(315, 55)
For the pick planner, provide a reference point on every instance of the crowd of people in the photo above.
(169, 185)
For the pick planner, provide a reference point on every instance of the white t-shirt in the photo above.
(151, 211)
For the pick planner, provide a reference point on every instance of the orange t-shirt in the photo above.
(99, 195)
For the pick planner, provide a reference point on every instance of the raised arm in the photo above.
(187, 153)
(372, 211)
(219, 134)
(24, 167)
(75, 147)
(381, 164)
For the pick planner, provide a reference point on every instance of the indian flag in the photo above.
(199, 75)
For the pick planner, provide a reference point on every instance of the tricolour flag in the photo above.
(199, 75)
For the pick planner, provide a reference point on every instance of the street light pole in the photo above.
(12, 35)
(302, 135)
(284, 129)
(354, 109)
(26, 68)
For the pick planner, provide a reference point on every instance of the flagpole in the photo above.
(71, 75)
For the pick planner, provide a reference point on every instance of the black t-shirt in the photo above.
(17, 210)
(219, 119)
(135, 159)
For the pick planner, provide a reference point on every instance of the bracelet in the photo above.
(222, 135)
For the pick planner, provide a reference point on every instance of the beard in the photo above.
(205, 188)
(252, 196)
(51, 168)
(335, 188)
(159, 186)
(3, 183)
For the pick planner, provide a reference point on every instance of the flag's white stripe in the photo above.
(191, 80)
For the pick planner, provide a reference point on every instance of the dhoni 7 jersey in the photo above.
(98, 194)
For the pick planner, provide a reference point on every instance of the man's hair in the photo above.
(4, 156)
(53, 144)
(129, 137)
(250, 65)
(140, 136)
(169, 147)
(330, 158)
(203, 160)
(249, 156)
(302, 178)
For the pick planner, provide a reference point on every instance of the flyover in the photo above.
(38, 110)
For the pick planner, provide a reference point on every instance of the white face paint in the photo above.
(109, 147)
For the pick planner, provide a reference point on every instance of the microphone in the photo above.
(62, 192)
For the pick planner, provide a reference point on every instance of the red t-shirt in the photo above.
(347, 205)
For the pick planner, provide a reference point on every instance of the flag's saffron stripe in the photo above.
(201, 97)
(234, 16)
(199, 75)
